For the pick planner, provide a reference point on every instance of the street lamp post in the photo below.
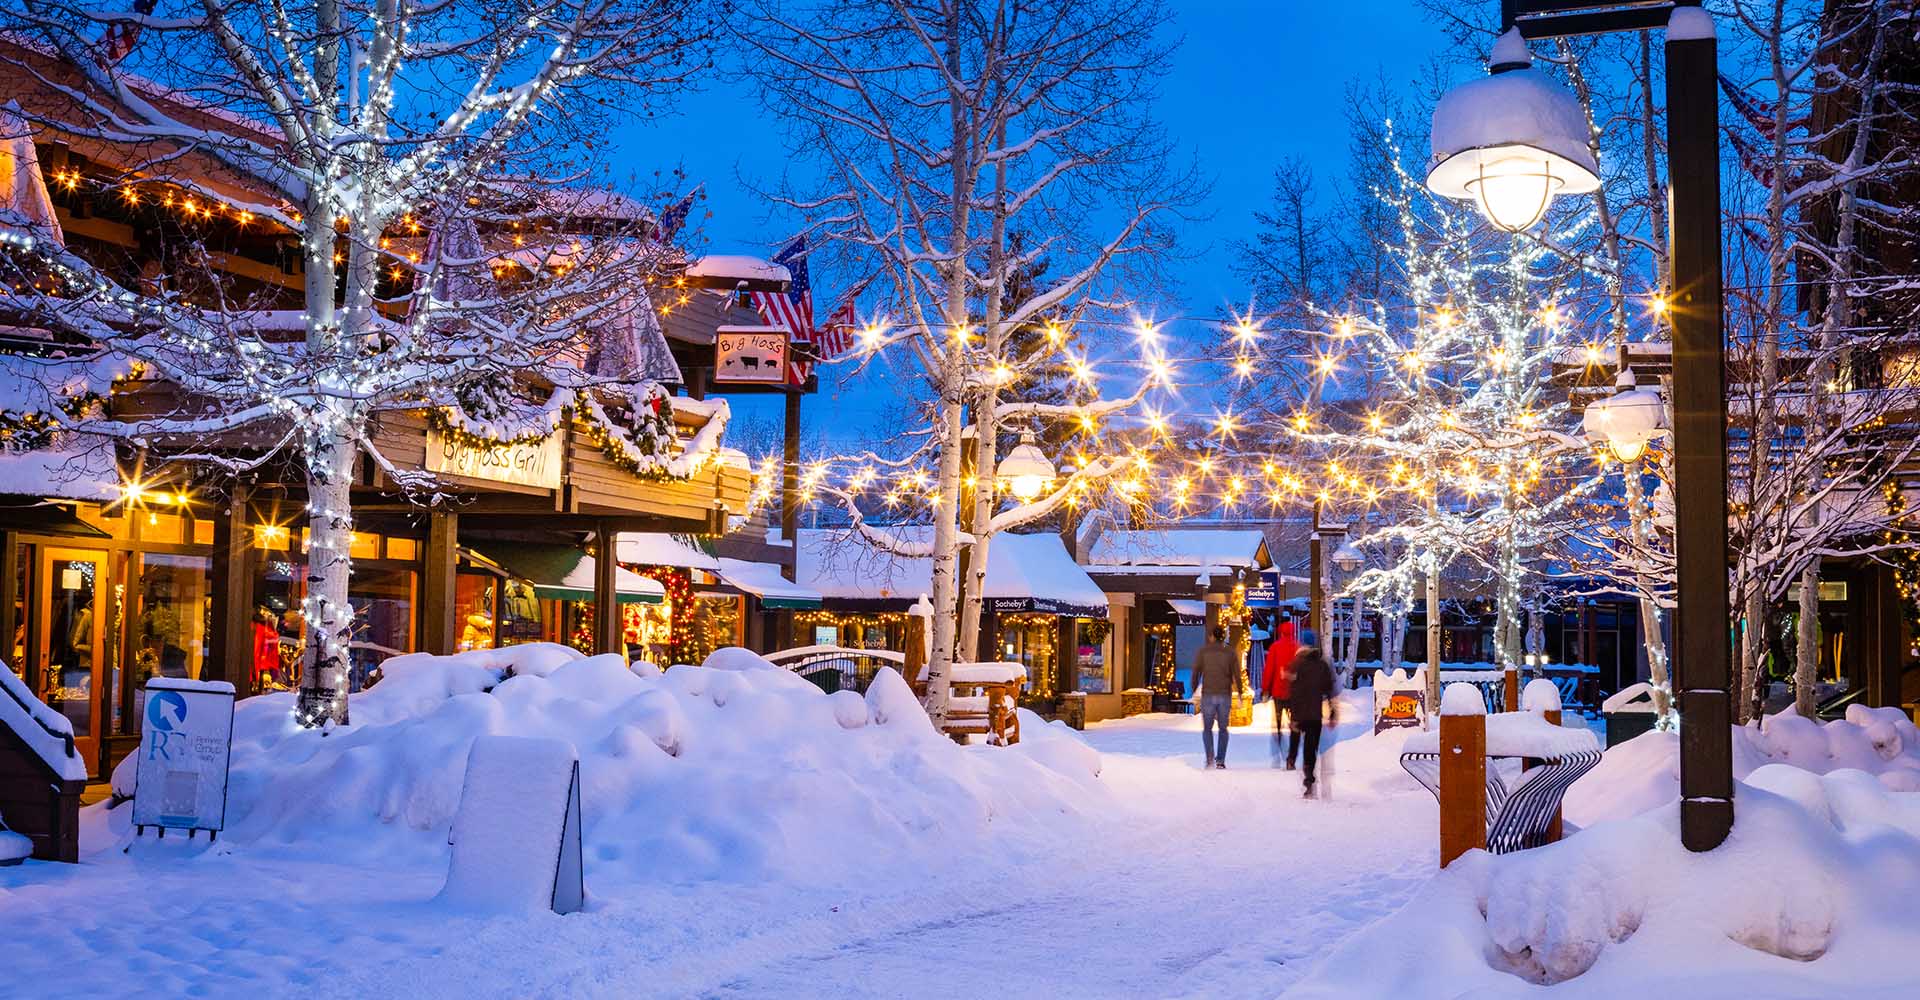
(1506, 145)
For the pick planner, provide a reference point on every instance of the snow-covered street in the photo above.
(1200, 883)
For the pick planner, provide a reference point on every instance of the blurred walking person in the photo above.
(1216, 679)
(1276, 680)
(1310, 692)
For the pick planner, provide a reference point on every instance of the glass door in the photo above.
(72, 612)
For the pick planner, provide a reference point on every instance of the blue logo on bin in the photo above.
(166, 709)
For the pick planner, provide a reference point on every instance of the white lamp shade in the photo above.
(1625, 421)
(1511, 141)
(1026, 470)
(1348, 556)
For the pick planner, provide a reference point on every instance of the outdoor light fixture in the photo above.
(1348, 556)
(1511, 141)
(1026, 470)
(1625, 421)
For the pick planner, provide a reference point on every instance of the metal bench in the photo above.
(838, 668)
(1522, 816)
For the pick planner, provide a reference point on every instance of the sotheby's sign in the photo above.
(522, 463)
(186, 737)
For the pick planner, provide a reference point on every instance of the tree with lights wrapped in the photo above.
(380, 144)
(960, 125)
(1462, 433)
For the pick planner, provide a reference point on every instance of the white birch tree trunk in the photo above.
(1806, 663)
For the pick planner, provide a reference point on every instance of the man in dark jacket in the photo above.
(1216, 679)
(1312, 690)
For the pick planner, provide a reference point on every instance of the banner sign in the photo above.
(753, 355)
(180, 778)
(1263, 594)
(1399, 710)
(521, 463)
(1043, 605)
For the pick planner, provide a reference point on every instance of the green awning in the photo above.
(763, 580)
(564, 573)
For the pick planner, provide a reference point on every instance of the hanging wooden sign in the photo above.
(754, 355)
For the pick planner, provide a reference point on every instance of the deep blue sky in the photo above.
(1252, 84)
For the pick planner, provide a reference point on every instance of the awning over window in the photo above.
(763, 580)
(564, 573)
(1189, 612)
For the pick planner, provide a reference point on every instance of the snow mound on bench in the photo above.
(1807, 897)
(1644, 772)
(730, 771)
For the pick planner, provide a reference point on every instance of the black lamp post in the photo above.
(1513, 165)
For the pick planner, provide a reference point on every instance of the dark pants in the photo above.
(1307, 732)
(1285, 737)
(1214, 709)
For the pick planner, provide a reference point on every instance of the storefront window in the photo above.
(520, 618)
(1094, 638)
(1028, 639)
(383, 610)
(171, 604)
(475, 610)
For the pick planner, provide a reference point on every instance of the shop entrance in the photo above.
(70, 605)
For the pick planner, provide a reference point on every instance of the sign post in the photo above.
(186, 741)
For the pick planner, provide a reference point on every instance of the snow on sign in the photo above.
(753, 354)
(516, 833)
(521, 463)
(186, 737)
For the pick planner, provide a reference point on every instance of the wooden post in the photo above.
(1066, 655)
(915, 651)
(790, 485)
(1463, 785)
(1553, 827)
(9, 598)
(606, 594)
(1511, 689)
(230, 581)
(1135, 674)
(1702, 647)
(438, 630)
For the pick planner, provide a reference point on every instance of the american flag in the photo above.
(836, 338)
(792, 309)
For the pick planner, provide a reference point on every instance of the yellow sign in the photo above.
(525, 463)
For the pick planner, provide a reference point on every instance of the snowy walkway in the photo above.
(1215, 884)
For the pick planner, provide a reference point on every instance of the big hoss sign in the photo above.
(754, 356)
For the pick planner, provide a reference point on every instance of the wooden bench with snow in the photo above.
(982, 699)
(1523, 804)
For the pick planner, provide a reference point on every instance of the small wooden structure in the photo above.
(982, 699)
(1478, 809)
(41, 773)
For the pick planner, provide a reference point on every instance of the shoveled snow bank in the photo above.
(1809, 897)
(729, 771)
(1644, 772)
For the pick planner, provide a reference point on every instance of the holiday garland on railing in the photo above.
(641, 442)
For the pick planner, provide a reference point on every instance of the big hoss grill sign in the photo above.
(751, 355)
(520, 463)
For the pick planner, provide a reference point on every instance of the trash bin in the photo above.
(1073, 709)
(1628, 713)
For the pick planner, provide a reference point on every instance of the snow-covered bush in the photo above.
(729, 770)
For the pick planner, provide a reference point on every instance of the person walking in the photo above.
(1310, 691)
(1276, 680)
(1216, 679)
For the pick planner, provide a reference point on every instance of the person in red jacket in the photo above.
(1277, 682)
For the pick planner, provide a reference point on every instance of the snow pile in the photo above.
(1808, 897)
(1644, 772)
(510, 850)
(729, 770)
(1515, 734)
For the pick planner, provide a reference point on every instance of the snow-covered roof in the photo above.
(46, 732)
(763, 580)
(1024, 572)
(738, 266)
(1195, 547)
(657, 548)
(71, 469)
